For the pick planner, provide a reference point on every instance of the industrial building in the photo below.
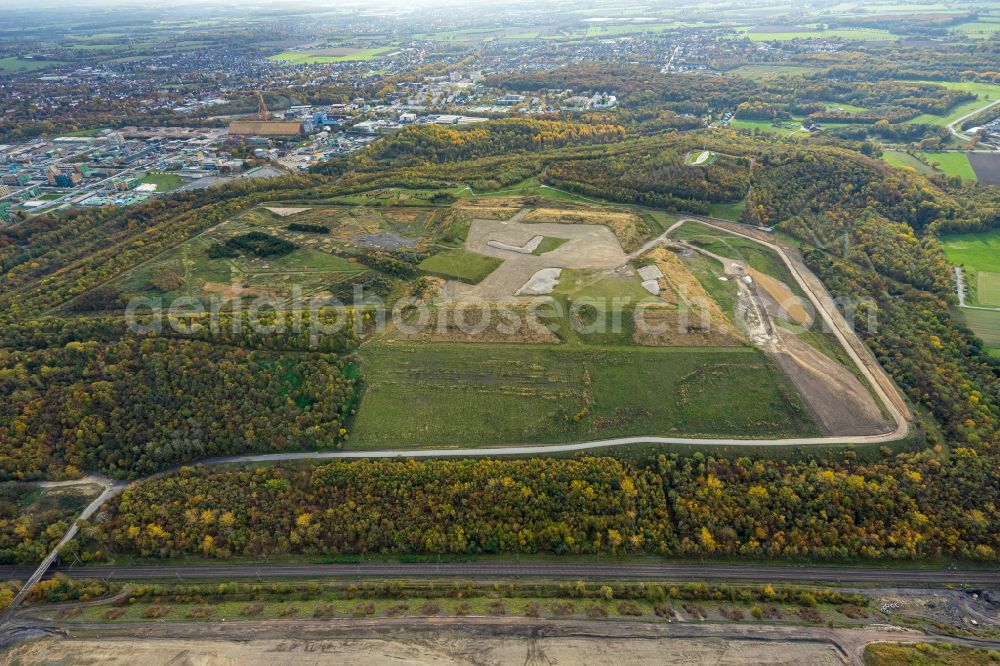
(263, 126)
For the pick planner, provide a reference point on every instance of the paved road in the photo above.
(959, 121)
(552, 570)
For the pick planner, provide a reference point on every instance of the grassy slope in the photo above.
(461, 265)
(452, 394)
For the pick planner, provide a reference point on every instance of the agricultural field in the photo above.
(985, 324)
(979, 256)
(334, 55)
(986, 166)
(984, 28)
(778, 33)
(14, 65)
(899, 158)
(458, 395)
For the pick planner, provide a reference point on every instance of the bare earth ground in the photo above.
(473, 640)
(587, 246)
(432, 650)
(839, 402)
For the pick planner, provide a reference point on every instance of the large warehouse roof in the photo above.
(265, 128)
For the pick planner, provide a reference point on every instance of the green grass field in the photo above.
(580, 284)
(986, 93)
(732, 212)
(783, 128)
(951, 164)
(978, 29)
(460, 265)
(165, 182)
(452, 394)
(979, 255)
(308, 59)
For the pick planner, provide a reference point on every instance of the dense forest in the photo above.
(911, 506)
(129, 405)
(593, 505)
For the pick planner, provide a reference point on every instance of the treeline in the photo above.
(657, 178)
(438, 143)
(910, 506)
(131, 405)
(593, 505)
(773, 96)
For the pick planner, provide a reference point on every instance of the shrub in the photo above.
(252, 609)
(596, 611)
(324, 611)
(200, 612)
(114, 613)
(810, 615)
(397, 609)
(852, 611)
(367, 608)
(697, 612)
(532, 609)
(663, 610)
(731, 613)
(430, 608)
(497, 608)
(629, 608)
(308, 228)
(563, 608)
(156, 611)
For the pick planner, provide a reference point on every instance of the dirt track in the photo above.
(837, 399)
(473, 640)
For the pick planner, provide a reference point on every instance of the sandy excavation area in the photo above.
(587, 246)
(442, 648)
